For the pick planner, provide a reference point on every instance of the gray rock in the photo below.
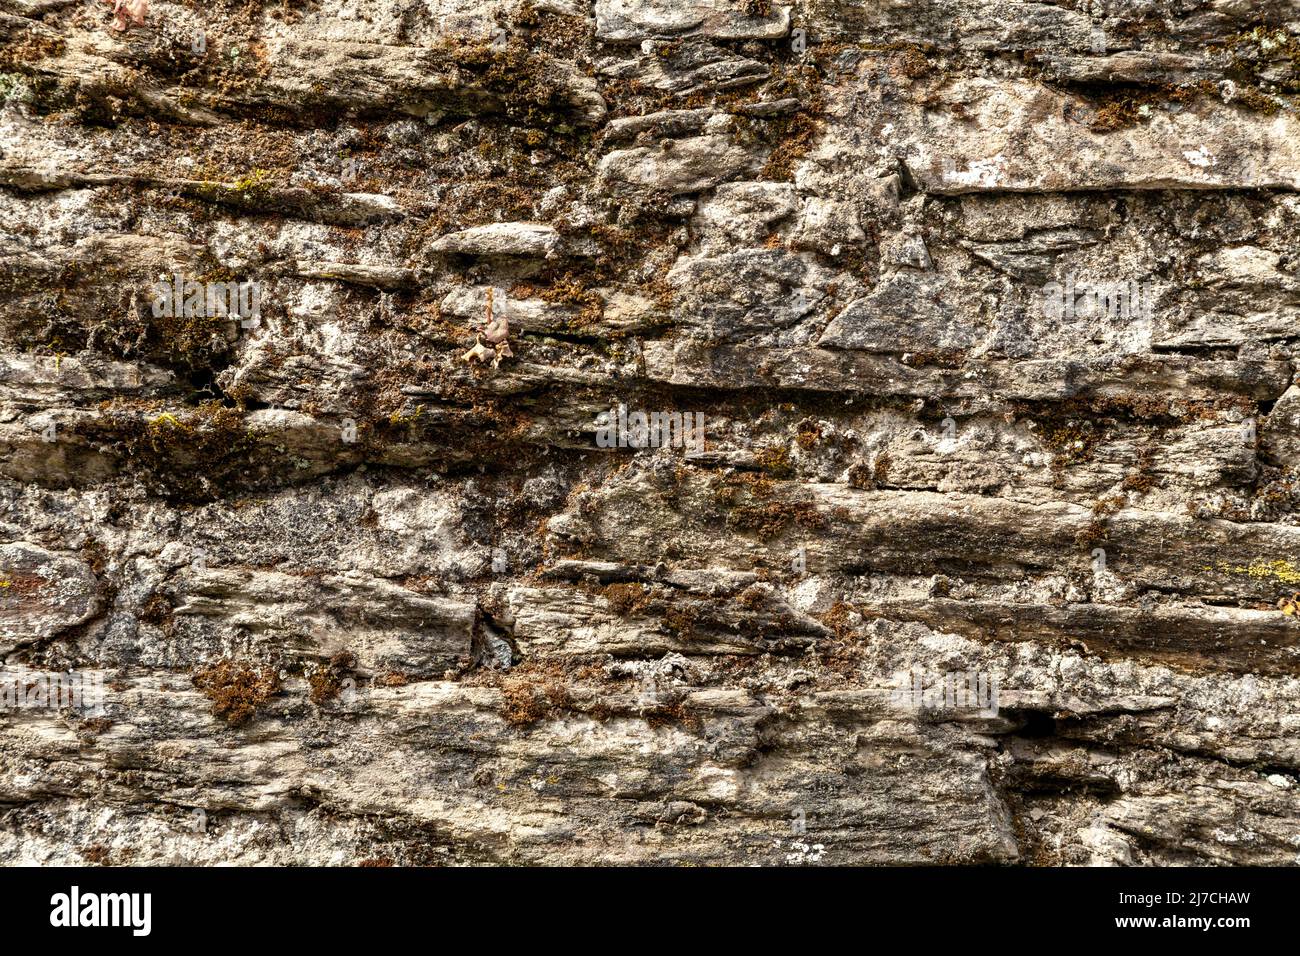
(43, 593)
(967, 146)
(473, 629)
(905, 312)
(527, 239)
(678, 166)
(621, 20)
(695, 66)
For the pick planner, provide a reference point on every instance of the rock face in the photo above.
(708, 432)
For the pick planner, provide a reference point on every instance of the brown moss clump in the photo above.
(941, 358)
(534, 692)
(561, 34)
(1137, 407)
(189, 454)
(1069, 442)
(1115, 114)
(30, 47)
(682, 622)
(910, 62)
(156, 611)
(770, 520)
(639, 250)
(94, 726)
(524, 81)
(1093, 533)
(236, 689)
(794, 138)
(1102, 510)
(775, 461)
(1262, 49)
(808, 434)
(1105, 507)
(1123, 109)
(625, 599)
(733, 487)
(862, 477)
(839, 619)
(571, 290)
(1253, 99)
(745, 502)
(673, 712)
(1139, 482)
(326, 681)
(96, 854)
(880, 470)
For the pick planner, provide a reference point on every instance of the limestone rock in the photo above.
(43, 593)
(680, 166)
(531, 240)
(843, 361)
(618, 20)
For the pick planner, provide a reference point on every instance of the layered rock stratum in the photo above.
(362, 585)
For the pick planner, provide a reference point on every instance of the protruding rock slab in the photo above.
(42, 593)
(623, 20)
(983, 135)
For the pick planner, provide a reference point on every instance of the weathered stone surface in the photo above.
(739, 295)
(985, 315)
(637, 19)
(533, 240)
(743, 213)
(906, 312)
(989, 136)
(43, 593)
(687, 68)
(680, 166)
